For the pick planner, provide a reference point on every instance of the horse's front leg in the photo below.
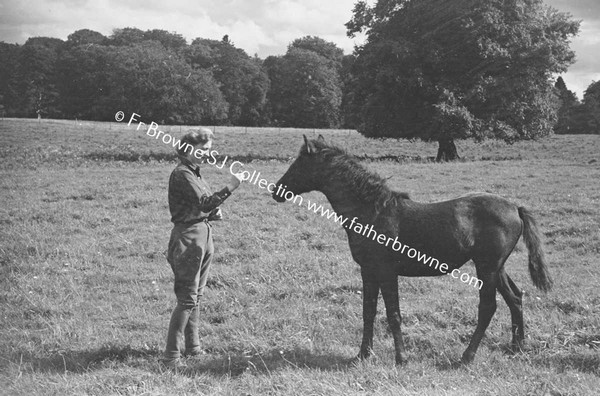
(389, 290)
(370, 295)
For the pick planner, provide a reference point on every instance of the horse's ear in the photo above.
(310, 148)
(321, 138)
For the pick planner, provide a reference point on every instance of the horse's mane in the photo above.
(369, 186)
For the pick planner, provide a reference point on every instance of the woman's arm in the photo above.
(195, 197)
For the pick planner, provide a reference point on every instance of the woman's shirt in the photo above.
(190, 198)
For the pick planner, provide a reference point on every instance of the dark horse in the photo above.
(481, 227)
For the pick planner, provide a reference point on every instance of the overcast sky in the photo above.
(263, 27)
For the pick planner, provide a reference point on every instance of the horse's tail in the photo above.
(537, 263)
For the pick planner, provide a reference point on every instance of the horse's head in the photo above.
(304, 174)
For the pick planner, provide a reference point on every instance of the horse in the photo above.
(481, 227)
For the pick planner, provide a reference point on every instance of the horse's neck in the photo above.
(345, 201)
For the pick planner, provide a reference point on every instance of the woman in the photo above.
(192, 206)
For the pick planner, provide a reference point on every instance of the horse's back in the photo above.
(461, 228)
(479, 206)
(489, 209)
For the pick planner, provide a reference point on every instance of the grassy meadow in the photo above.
(86, 292)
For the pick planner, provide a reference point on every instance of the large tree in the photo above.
(242, 80)
(306, 88)
(444, 70)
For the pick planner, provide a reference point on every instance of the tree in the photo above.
(575, 117)
(568, 107)
(591, 104)
(8, 71)
(306, 89)
(440, 70)
(349, 119)
(242, 80)
(32, 87)
(326, 49)
(127, 36)
(171, 41)
(85, 37)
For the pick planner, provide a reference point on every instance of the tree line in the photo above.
(575, 116)
(429, 69)
(157, 74)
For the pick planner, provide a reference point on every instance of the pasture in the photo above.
(86, 293)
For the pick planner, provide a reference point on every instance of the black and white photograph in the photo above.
(345, 197)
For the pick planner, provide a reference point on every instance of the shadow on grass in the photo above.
(559, 360)
(231, 364)
(449, 365)
(456, 363)
(80, 361)
(496, 346)
(235, 364)
(586, 362)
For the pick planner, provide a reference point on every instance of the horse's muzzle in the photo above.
(278, 198)
(278, 193)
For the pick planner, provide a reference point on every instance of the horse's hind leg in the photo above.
(370, 295)
(487, 308)
(513, 297)
(389, 290)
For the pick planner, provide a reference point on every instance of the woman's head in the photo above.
(200, 139)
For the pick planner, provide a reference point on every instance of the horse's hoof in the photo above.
(360, 357)
(399, 361)
(517, 347)
(467, 358)
(364, 354)
(356, 360)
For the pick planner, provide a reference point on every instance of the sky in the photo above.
(262, 27)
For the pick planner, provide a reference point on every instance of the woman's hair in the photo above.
(201, 136)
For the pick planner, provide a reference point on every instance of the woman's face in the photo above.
(204, 148)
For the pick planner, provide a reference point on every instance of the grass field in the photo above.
(86, 293)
